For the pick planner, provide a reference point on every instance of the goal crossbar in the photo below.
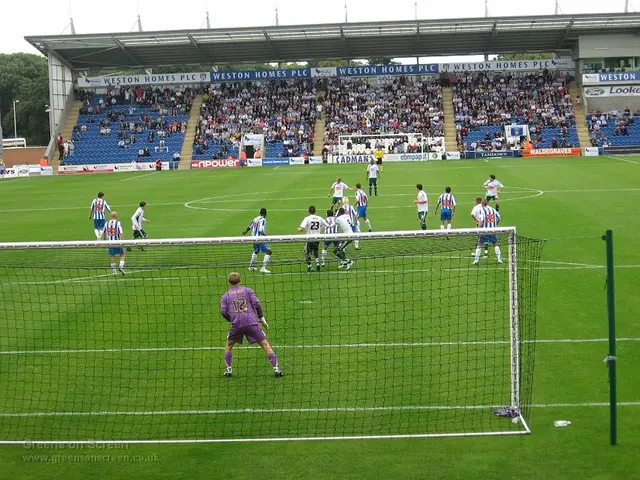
(381, 235)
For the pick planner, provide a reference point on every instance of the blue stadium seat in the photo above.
(93, 148)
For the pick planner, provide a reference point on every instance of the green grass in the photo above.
(582, 197)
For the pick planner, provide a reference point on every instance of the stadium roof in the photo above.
(291, 43)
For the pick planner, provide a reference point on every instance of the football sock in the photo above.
(113, 267)
(274, 361)
(449, 227)
(497, 208)
(423, 226)
(476, 257)
(266, 260)
(368, 222)
(358, 227)
(97, 233)
(441, 227)
(253, 259)
(228, 357)
(324, 256)
(498, 253)
(121, 264)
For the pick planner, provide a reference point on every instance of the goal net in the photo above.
(413, 340)
(389, 143)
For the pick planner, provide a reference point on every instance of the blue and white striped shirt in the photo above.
(258, 226)
(489, 217)
(98, 207)
(113, 230)
(447, 200)
(353, 216)
(361, 198)
(333, 227)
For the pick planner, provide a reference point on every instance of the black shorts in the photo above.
(139, 234)
(342, 246)
(379, 161)
(491, 197)
(312, 247)
(373, 181)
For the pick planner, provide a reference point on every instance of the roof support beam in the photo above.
(60, 57)
(271, 46)
(345, 47)
(196, 45)
(492, 37)
(417, 40)
(567, 31)
(126, 52)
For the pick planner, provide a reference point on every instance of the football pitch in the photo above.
(570, 202)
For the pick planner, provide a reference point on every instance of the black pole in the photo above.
(610, 360)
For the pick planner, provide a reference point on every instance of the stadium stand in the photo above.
(284, 111)
(129, 124)
(485, 102)
(614, 128)
(397, 106)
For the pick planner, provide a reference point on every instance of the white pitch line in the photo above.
(225, 199)
(138, 176)
(595, 190)
(263, 411)
(105, 278)
(621, 159)
(317, 346)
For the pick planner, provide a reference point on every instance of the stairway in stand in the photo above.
(187, 144)
(581, 118)
(449, 120)
(67, 131)
(319, 132)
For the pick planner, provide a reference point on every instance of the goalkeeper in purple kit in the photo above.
(240, 306)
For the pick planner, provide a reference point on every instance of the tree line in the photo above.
(23, 77)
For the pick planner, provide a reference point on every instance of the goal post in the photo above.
(412, 340)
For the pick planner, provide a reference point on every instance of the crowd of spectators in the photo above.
(283, 111)
(539, 100)
(598, 121)
(130, 112)
(393, 106)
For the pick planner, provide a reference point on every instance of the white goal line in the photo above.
(316, 346)
(267, 411)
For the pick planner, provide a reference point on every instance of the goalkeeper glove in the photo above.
(263, 322)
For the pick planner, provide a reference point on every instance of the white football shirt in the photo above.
(372, 170)
(137, 219)
(476, 212)
(344, 222)
(492, 186)
(422, 197)
(314, 225)
(338, 189)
